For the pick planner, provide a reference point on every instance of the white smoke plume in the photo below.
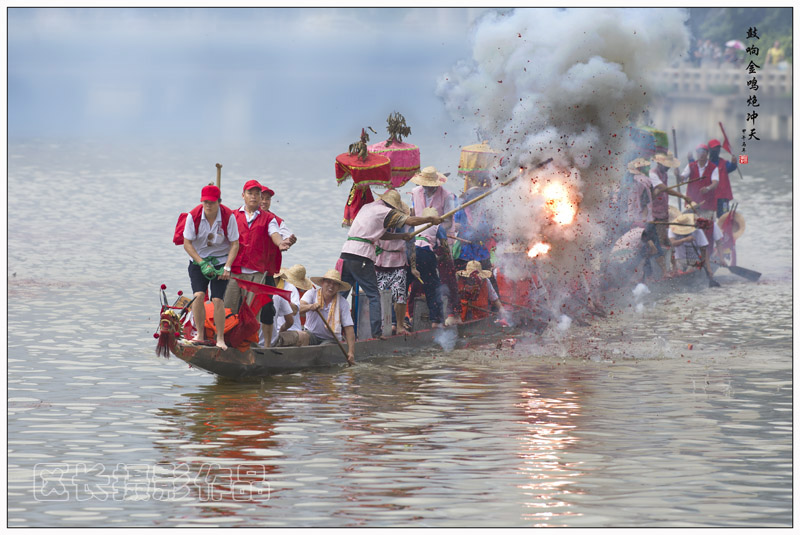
(561, 84)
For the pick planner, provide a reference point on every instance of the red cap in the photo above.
(714, 143)
(250, 184)
(210, 193)
(265, 189)
(702, 147)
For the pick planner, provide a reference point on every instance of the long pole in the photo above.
(344, 351)
(219, 175)
(478, 198)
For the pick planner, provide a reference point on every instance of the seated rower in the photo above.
(324, 308)
(690, 245)
(294, 280)
(476, 293)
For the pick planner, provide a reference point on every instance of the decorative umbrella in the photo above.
(735, 44)
(476, 159)
(365, 169)
(404, 157)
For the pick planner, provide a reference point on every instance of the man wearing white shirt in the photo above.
(704, 177)
(210, 245)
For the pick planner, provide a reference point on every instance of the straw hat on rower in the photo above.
(683, 225)
(667, 160)
(429, 177)
(738, 223)
(296, 275)
(430, 211)
(392, 198)
(473, 266)
(635, 165)
(332, 275)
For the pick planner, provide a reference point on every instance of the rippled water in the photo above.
(615, 424)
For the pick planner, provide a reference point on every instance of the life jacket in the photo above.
(723, 190)
(661, 201)
(478, 299)
(231, 321)
(256, 250)
(708, 201)
(367, 227)
(197, 213)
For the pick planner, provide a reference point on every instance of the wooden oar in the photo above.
(478, 198)
(344, 351)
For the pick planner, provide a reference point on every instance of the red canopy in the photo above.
(375, 170)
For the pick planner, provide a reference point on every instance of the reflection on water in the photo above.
(616, 424)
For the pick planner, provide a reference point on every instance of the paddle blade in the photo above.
(748, 274)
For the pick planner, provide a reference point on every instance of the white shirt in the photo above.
(315, 325)
(272, 228)
(701, 169)
(210, 240)
(655, 181)
(698, 237)
(280, 319)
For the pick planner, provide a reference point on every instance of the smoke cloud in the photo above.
(561, 84)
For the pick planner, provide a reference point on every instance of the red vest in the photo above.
(256, 250)
(196, 214)
(723, 190)
(708, 201)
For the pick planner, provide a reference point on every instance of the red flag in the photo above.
(725, 144)
(248, 324)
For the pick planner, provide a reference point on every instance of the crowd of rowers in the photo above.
(689, 239)
(446, 258)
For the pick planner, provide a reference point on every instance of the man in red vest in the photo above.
(210, 245)
(259, 253)
(705, 177)
(724, 192)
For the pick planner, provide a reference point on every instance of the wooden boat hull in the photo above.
(260, 362)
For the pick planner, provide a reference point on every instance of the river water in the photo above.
(677, 414)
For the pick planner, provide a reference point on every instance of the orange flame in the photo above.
(558, 198)
(539, 248)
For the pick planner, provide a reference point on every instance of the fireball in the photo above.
(539, 248)
(560, 206)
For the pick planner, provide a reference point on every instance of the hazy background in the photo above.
(232, 77)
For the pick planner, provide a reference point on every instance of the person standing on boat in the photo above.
(430, 193)
(259, 255)
(476, 293)
(426, 243)
(324, 308)
(283, 230)
(702, 191)
(658, 179)
(724, 168)
(213, 245)
(359, 251)
(391, 268)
